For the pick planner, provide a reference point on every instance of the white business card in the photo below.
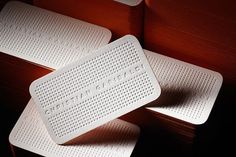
(116, 138)
(81, 96)
(188, 91)
(45, 37)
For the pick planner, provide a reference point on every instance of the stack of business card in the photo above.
(73, 102)
(47, 38)
(188, 94)
(120, 16)
(116, 138)
(74, 109)
(52, 40)
(105, 85)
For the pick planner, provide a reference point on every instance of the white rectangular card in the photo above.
(114, 139)
(45, 37)
(81, 96)
(188, 91)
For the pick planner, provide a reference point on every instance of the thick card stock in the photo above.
(188, 91)
(81, 96)
(116, 138)
(47, 38)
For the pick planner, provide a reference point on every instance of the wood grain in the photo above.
(199, 32)
(17, 74)
(121, 19)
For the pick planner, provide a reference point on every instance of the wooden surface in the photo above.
(18, 74)
(15, 78)
(121, 19)
(156, 133)
(200, 32)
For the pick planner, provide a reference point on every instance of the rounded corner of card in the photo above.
(157, 90)
(131, 37)
(219, 77)
(201, 120)
(54, 138)
(31, 88)
(137, 128)
(108, 33)
(158, 93)
(11, 138)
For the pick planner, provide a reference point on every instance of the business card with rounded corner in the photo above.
(188, 91)
(83, 95)
(47, 38)
(116, 138)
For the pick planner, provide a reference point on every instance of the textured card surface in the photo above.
(188, 91)
(81, 96)
(116, 138)
(47, 38)
(130, 2)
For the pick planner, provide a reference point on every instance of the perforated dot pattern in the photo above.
(45, 37)
(188, 91)
(87, 73)
(114, 139)
(101, 105)
(115, 80)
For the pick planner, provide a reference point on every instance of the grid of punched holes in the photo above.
(31, 32)
(101, 105)
(178, 79)
(85, 74)
(32, 133)
(117, 58)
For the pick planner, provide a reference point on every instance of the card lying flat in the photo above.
(47, 38)
(116, 138)
(188, 91)
(81, 96)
